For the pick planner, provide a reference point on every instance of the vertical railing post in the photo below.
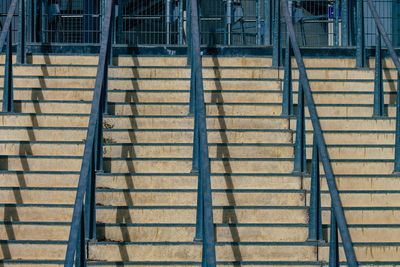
(258, 22)
(397, 137)
(378, 82)
(229, 21)
(336, 24)
(360, 52)
(90, 199)
(287, 101)
(80, 257)
(300, 159)
(267, 22)
(189, 32)
(43, 20)
(345, 23)
(21, 51)
(168, 7)
(276, 49)
(8, 97)
(120, 22)
(180, 23)
(333, 244)
(88, 21)
(315, 221)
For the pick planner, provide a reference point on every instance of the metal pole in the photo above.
(168, 7)
(180, 23)
(276, 50)
(397, 142)
(334, 244)
(336, 24)
(315, 224)
(229, 21)
(267, 22)
(300, 165)
(360, 53)
(287, 102)
(378, 82)
(345, 23)
(258, 22)
(8, 98)
(21, 32)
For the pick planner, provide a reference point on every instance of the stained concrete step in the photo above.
(335, 73)
(150, 181)
(190, 181)
(169, 197)
(111, 251)
(376, 167)
(373, 251)
(360, 182)
(143, 72)
(171, 83)
(163, 214)
(143, 122)
(179, 136)
(149, 96)
(158, 232)
(358, 151)
(145, 165)
(183, 122)
(150, 165)
(319, 85)
(343, 137)
(108, 197)
(362, 198)
(169, 150)
(37, 250)
(351, 124)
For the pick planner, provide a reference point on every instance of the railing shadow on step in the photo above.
(320, 153)
(201, 163)
(83, 226)
(379, 91)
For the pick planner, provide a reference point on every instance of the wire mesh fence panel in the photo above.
(318, 23)
(67, 21)
(4, 5)
(389, 12)
(150, 22)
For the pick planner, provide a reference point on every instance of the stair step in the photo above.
(190, 181)
(112, 251)
(351, 124)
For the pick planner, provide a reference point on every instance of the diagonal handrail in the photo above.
(7, 24)
(204, 220)
(81, 227)
(320, 141)
(396, 62)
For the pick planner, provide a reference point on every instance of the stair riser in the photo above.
(187, 137)
(190, 182)
(187, 123)
(365, 253)
(364, 138)
(38, 180)
(351, 125)
(172, 166)
(144, 137)
(357, 152)
(193, 252)
(375, 199)
(33, 251)
(361, 183)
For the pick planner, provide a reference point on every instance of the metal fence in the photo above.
(318, 23)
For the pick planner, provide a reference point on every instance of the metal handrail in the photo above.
(83, 224)
(320, 142)
(378, 78)
(201, 161)
(8, 105)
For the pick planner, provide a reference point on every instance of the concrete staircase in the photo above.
(147, 196)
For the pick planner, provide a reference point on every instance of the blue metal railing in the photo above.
(320, 153)
(201, 162)
(6, 33)
(378, 98)
(83, 225)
